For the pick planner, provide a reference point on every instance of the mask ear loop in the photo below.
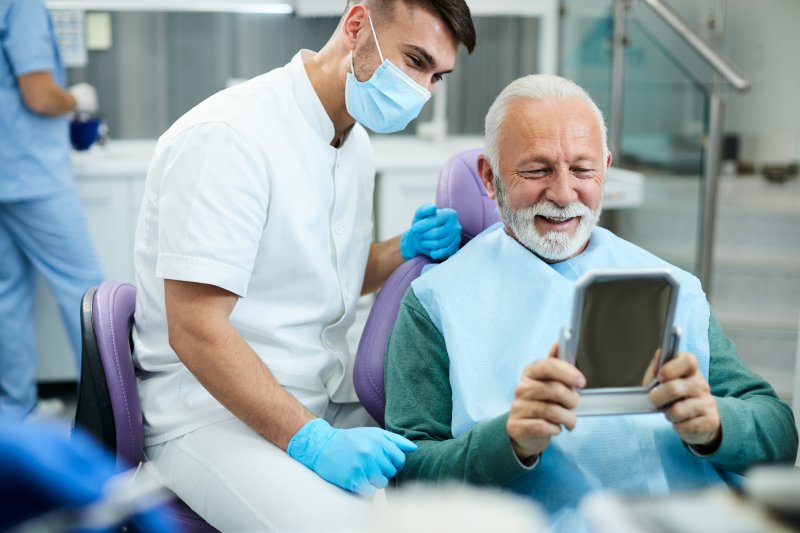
(377, 44)
(374, 36)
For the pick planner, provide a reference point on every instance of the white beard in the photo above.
(553, 245)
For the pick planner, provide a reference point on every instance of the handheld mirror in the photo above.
(621, 333)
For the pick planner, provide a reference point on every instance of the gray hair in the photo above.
(533, 87)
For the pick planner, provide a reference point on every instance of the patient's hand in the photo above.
(543, 398)
(685, 398)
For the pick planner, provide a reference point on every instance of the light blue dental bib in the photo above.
(499, 308)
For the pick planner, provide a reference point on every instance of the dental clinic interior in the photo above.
(701, 99)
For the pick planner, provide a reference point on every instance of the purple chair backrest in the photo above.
(108, 339)
(460, 188)
(112, 317)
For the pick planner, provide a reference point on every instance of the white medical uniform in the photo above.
(246, 193)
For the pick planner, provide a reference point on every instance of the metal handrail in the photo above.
(705, 49)
(723, 70)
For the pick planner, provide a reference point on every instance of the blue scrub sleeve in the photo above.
(27, 40)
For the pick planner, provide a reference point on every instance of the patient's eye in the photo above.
(535, 173)
(583, 172)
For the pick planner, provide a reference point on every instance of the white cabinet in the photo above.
(398, 196)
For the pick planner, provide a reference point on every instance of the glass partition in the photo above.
(667, 88)
(664, 120)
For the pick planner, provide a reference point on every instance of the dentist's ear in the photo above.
(487, 176)
(352, 23)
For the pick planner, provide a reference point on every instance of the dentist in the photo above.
(253, 245)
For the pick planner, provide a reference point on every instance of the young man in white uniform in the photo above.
(253, 245)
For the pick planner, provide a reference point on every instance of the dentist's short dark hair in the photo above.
(455, 13)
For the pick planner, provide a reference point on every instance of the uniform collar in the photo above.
(308, 101)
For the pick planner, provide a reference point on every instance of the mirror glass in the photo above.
(621, 331)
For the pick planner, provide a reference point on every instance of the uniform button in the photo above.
(338, 228)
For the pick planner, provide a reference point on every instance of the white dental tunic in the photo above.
(246, 193)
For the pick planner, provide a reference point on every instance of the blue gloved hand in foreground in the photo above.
(41, 471)
(434, 232)
(360, 459)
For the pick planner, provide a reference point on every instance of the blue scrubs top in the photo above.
(34, 149)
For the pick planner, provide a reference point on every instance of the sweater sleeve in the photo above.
(757, 427)
(419, 407)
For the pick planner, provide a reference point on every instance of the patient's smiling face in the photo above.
(552, 166)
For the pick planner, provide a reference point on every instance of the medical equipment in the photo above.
(124, 495)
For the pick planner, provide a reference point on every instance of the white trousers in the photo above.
(238, 481)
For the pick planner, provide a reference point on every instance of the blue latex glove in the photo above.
(41, 470)
(360, 459)
(434, 232)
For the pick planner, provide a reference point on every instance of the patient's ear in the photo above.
(487, 175)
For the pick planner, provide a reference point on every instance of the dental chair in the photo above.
(108, 399)
(459, 187)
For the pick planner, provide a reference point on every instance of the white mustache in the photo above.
(549, 209)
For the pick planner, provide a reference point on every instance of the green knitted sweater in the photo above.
(756, 426)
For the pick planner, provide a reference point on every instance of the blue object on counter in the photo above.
(84, 132)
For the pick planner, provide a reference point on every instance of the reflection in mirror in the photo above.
(621, 331)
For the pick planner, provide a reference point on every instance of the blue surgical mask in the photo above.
(386, 102)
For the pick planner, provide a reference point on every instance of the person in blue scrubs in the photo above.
(42, 228)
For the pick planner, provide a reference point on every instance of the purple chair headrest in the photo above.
(112, 318)
(460, 188)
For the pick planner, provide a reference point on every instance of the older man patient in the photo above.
(472, 375)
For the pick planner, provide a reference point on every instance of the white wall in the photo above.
(761, 39)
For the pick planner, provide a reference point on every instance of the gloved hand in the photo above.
(359, 460)
(85, 98)
(41, 470)
(434, 232)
